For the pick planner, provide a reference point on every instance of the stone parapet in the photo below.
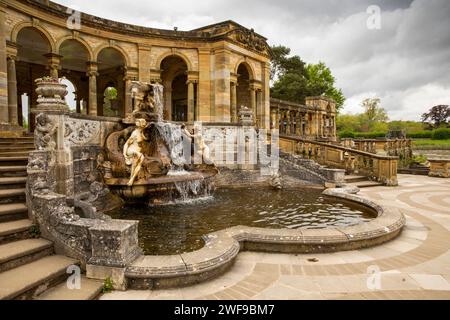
(439, 168)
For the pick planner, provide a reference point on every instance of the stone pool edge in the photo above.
(222, 247)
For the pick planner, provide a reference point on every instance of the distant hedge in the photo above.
(362, 135)
(420, 135)
(346, 134)
(370, 135)
(438, 134)
(441, 134)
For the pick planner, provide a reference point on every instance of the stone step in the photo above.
(31, 279)
(12, 171)
(12, 182)
(89, 290)
(12, 193)
(15, 230)
(13, 159)
(21, 153)
(17, 140)
(355, 178)
(21, 252)
(16, 147)
(365, 184)
(13, 211)
(12, 168)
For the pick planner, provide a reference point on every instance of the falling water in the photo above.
(195, 189)
(173, 137)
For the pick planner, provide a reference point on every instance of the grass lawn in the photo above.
(428, 144)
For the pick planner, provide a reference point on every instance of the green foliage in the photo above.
(35, 231)
(441, 134)
(428, 144)
(407, 126)
(370, 135)
(107, 285)
(321, 82)
(279, 54)
(294, 81)
(420, 135)
(437, 116)
(290, 87)
(346, 134)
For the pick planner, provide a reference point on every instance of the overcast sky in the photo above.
(406, 62)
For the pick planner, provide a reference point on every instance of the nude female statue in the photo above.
(132, 150)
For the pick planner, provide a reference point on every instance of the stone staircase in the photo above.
(360, 181)
(29, 269)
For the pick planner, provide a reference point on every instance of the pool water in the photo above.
(178, 227)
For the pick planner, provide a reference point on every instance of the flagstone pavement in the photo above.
(415, 265)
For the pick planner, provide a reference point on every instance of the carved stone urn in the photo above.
(51, 94)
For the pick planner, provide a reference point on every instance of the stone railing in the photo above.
(390, 147)
(67, 199)
(381, 168)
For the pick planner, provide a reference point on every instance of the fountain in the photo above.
(147, 159)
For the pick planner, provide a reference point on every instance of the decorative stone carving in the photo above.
(44, 133)
(251, 40)
(51, 93)
(81, 132)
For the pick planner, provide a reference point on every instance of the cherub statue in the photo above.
(132, 150)
(44, 133)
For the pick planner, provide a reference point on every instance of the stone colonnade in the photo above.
(315, 120)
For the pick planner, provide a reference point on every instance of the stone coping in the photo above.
(222, 247)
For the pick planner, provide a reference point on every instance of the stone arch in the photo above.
(22, 25)
(81, 41)
(175, 53)
(116, 47)
(247, 65)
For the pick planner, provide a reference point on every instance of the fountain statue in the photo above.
(145, 155)
(132, 150)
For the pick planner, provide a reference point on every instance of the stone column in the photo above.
(253, 103)
(12, 90)
(190, 98)
(4, 114)
(128, 77)
(205, 85)
(298, 127)
(54, 64)
(92, 74)
(234, 118)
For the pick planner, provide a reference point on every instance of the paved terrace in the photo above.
(416, 265)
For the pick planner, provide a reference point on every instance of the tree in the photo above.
(321, 82)
(373, 113)
(279, 56)
(294, 80)
(290, 87)
(437, 116)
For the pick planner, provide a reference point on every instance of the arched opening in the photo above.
(71, 98)
(74, 57)
(174, 78)
(110, 83)
(31, 63)
(110, 107)
(243, 87)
